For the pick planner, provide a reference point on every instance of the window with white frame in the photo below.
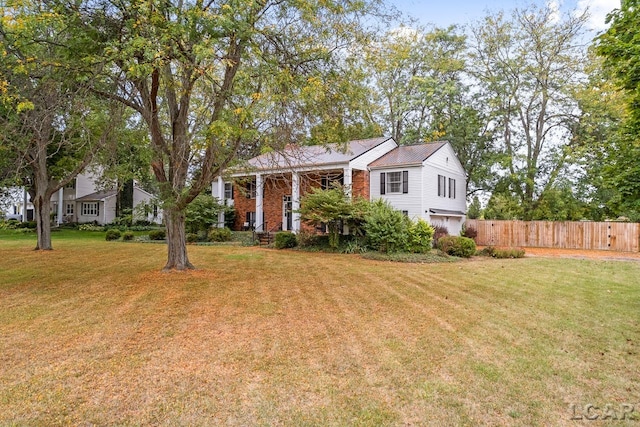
(250, 190)
(90, 208)
(442, 186)
(228, 190)
(452, 188)
(70, 208)
(394, 182)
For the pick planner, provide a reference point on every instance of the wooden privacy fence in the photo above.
(613, 236)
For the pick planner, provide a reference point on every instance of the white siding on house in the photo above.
(444, 162)
(142, 197)
(411, 201)
(361, 162)
(85, 183)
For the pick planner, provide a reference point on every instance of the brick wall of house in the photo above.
(275, 188)
(242, 205)
(360, 184)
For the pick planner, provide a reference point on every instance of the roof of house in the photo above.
(408, 154)
(97, 196)
(315, 155)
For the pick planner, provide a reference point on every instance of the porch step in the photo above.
(265, 238)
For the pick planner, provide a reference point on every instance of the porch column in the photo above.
(60, 203)
(295, 201)
(24, 205)
(259, 211)
(221, 200)
(348, 183)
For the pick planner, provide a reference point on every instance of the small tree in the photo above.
(202, 213)
(330, 208)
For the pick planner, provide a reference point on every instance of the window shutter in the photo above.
(405, 182)
(97, 208)
(382, 183)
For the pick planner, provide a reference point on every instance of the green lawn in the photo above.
(94, 333)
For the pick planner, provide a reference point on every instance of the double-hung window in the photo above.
(228, 190)
(250, 190)
(442, 186)
(452, 188)
(394, 182)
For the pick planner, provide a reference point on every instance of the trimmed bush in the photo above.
(112, 235)
(191, 237)
(127, 236)
(219, 235)
(285, 240)
(459, 246)
(157, 235)
(501, 253)
(508, 253)
(420, 237)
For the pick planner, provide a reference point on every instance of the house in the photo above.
(83, 201)
(17, 205)
(423, 181)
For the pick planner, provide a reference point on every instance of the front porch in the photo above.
(270, 201)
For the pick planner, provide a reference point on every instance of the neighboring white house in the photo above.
(423, 181)
(82, 201)
(14, 205)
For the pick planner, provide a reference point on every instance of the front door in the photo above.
(287, 217)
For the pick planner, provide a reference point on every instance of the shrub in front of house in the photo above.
(191, 237)
(31, 225)
(285, 240)
(113, 234)
(219, 235)
(385, 227)
(91, 227)
(127, 236)
(420, 237)
(459, 246)
(157, 235)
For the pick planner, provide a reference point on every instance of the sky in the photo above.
(448, 12)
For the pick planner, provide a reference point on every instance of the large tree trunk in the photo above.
(176, 241)
(43, 222)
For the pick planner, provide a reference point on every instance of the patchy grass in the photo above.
(94, 333)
